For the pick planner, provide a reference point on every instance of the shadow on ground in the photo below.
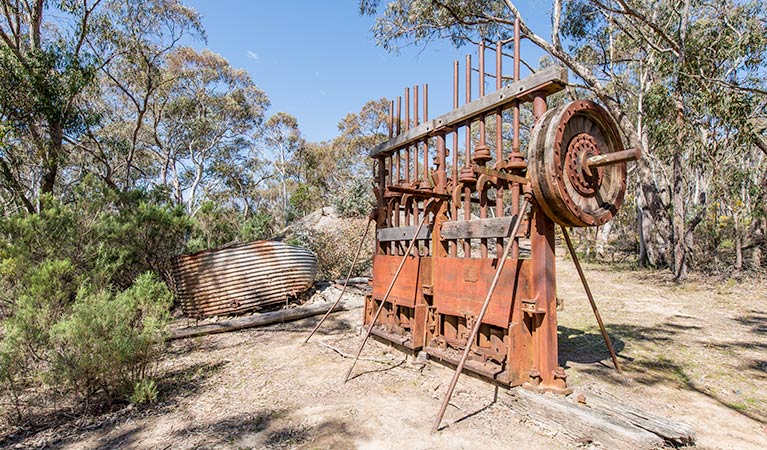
(657, 366)
(172, 387)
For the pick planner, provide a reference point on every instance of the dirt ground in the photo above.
(695, 352)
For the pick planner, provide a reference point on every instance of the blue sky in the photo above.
(318, 60)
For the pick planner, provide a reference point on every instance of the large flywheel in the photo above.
(577, 164)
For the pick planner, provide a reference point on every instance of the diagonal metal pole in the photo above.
(591, 298)
(388, 291)
(478, 321)
(346, 283)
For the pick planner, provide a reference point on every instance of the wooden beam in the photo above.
(475, 229)
(401, 234)
(581, 424)
(256, 320)
(549, 80)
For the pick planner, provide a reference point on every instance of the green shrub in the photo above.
(82, 307)
(259, 226)
(355, 199)
(99, 347)
(335, 248)
(144, 391)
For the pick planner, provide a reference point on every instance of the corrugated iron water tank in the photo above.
(242, 277)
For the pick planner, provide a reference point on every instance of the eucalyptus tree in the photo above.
(281, 138)
(206, 123)
(52, 57)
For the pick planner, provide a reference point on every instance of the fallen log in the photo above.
(354, 280)
(598, 421)
(674, 433)
(256, 320)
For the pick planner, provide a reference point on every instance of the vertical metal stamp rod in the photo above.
(407, 109)
(388, 291)
(391, 119)
(426, 142)
(454, 206)
(482, 150)
(415, 124)
(516, 155)
(399, 114)
(499, 139)
(478, 320)
(407, 150)
(346, 283)
(467, 165)
(426, 184)
(594, 308)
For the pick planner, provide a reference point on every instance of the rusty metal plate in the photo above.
(462, 284)
(407, 290)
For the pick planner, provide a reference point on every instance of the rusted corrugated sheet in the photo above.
(242, 277)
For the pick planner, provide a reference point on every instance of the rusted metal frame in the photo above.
(477, 322)
(549, 80)
(388, 291)
(346, 282)
(594, 308)
(499, 174)
(546, 374)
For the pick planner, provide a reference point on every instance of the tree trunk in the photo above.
(738, 243)
(603, 236)
(652, 219)
(51, 158)
(678, 226)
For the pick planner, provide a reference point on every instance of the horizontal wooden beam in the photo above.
(548, 81)
(476, 229)
(257, 320)
(401, 234)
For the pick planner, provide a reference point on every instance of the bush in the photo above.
(256, 227)
(355, 199)
(335, 248)
(100, 345)
(82, 307)
(108, 342)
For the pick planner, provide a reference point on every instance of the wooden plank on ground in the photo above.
(256, 320)
(582, 424)
(674, 433)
